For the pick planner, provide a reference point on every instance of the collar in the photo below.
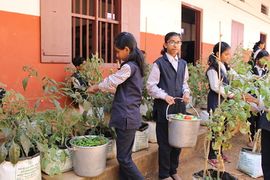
(171, 58)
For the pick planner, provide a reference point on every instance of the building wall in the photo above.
(20, 45)
(158, 17)
(164, 17)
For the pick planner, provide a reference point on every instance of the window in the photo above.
(264, 9)
(95, 23)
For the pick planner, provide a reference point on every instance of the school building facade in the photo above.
(47, 34)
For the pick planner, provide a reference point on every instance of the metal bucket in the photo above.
(182, 133)
(88, 161)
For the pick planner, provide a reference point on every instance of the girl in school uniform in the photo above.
(259, 70)
(127, 83)
(264, 124)
(214, 90)
(168, 79)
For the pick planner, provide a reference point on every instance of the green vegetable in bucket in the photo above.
(180, 116)
(90, 141)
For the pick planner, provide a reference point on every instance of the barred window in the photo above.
(264, 9)
(95, 23)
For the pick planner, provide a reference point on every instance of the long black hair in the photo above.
(126, 39)
(261, 54)
(256, 45)
(166, 39)
(212, 60)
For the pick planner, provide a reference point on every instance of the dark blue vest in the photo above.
(212, 98)
(171, 82)
(127, 100)
(263, 123)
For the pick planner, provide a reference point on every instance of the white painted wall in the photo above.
(30, 7)
(165, 15)
(160, 16)
(248, 13)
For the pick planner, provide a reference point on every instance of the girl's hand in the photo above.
(186, 98)
(93, 89)
(169, 100)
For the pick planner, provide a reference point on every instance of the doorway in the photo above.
(191, 32)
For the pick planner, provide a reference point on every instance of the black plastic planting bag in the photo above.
(213, 173)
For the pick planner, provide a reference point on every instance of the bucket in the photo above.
(88, 161)
(182, 133)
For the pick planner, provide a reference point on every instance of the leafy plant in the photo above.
(90, 141)
(232, 114)
(22, 136)
(147, 101)
(198, 83)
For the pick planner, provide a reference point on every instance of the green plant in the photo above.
(147, 101)
(232, 114)
(91, 71)
(198, 84)
(22, 135)
(90, 141)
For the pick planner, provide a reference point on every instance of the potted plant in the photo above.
(23, 138)
(86, 150)
(59, 125)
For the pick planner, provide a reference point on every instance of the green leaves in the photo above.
(26, 143)
(14, 153)
(25, 82)
(3, 153)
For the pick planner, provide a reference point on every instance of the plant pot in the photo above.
(56, 161)
(141, 138)
(25, 169)
(213, 173)
(152, 132)
(111, 152)
(250, 163)
(88, 161)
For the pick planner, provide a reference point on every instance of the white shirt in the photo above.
(214, 81)
(260, 70)
(154, 78)
(110, 83)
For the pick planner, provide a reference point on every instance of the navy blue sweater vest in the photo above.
(127, 100)
(212, 98)
(171, 82)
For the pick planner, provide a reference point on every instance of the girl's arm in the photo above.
(152, 82)
(110, 83)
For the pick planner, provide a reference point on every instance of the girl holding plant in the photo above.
(127, 83)
(217, 86)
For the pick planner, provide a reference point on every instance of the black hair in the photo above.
(256, 45)
(261, 54)
(126, 39)
(212, 59)
(2, 94)
(166, 39)
(77, 61)
(223, 47)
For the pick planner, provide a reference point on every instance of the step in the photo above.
(146, 161)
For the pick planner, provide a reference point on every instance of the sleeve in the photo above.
(76, 83)
(110, 83)
(152, 83)
(185, 83)
(214, 82)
